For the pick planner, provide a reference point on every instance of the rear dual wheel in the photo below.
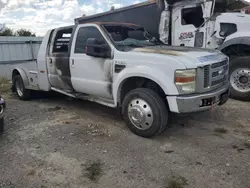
(240, 78)
(22, 92)
(145, 112)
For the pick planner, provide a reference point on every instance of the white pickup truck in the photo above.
(121, 65)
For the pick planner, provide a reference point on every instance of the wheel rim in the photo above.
(19, 87)
(140, 114)
(240, 80)
(1, 109)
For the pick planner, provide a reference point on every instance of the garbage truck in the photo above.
(212, 24)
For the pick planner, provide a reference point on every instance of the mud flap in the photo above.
(224, 98)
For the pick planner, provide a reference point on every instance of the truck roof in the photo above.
(113, 23)
(78, 20)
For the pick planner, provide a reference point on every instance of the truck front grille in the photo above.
(220, 64)
(206, 76)
(215, 74)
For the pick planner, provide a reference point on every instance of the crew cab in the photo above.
(121, 65)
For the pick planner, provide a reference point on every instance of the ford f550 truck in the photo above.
(122, 65)
(212, 24)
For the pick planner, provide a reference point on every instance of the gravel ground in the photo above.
(60, 142)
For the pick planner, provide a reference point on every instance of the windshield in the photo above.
(126, 37)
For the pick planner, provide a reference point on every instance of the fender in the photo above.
(23, 75)
(237, 38)
(156, 75)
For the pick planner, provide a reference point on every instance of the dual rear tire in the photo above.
(19, 88)
(240, 78)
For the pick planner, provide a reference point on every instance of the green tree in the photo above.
(7, 32)
(25, 32)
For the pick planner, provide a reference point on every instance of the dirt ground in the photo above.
(59, 142)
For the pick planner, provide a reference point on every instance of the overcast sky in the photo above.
(41, 15)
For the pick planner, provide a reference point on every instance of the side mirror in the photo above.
(207, 9)
(97, 48)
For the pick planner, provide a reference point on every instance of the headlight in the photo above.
(185, 80)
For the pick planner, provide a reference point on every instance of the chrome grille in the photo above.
(206, 76)
(220, 64)
(215, 74)
(216, 82)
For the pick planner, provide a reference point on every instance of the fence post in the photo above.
(31, 48)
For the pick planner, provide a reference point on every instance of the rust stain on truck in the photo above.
(157, 51)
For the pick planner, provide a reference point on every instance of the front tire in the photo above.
(240, 78)
(22, 92)
(145, 112)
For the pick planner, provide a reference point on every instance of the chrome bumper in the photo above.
(198, 102)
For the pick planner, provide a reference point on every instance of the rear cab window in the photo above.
(61, 42)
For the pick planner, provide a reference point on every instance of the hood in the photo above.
(190, 57)
(234, 17)
(241, 20)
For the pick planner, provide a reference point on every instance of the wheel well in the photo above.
(139, 82)
(15, 73)
(237, 50)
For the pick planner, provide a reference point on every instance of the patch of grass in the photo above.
(247, 133)
(177, 182)
(94, 170)
(218, 134)
(220, 130)
(247, 144)
(31, 172)
(4, 85)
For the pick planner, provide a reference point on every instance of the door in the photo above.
(90, 75)
(58, 59)
(186, 22)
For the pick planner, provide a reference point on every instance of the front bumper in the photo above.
(198, 102)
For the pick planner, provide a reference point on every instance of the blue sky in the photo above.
(41, 15)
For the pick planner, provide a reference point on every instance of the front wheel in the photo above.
(144, 112)
(240, 78)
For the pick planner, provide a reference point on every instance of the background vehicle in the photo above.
(122, 65)
(195, 23)
(2, 106)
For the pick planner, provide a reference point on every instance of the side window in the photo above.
(192, 16)
(136, 34)
(62, 40)
(83, 35)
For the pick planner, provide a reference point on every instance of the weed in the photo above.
(177, 182)
(94, 170)
(218, 134)
(4, 85)
(247, 133)
(220, 130)
(31, 172)
(247, 144)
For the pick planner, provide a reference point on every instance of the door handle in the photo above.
(72, 63)
(50, 62)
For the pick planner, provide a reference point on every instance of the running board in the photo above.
(105, 102)
(63, 92)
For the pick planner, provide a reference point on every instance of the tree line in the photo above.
(20, 32)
